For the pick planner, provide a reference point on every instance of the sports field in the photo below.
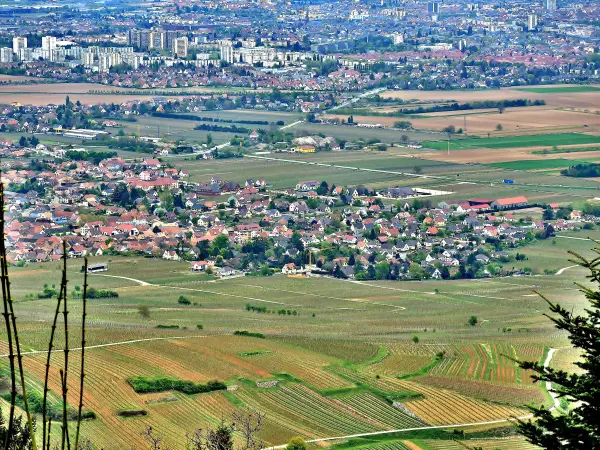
(516, 141)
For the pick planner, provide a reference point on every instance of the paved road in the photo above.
(426, 292)
(357, 98)
(204, 291)
(145, 283)
(290, 125)
(377, 433)
(392, 172)
(140, 282)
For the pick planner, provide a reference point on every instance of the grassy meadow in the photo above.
(538, 164)
(516, 141)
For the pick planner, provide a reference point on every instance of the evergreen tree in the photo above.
(20, 438)
(578, 428)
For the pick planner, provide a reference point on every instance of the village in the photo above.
(227, 228)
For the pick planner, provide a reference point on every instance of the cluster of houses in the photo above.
(148, 208)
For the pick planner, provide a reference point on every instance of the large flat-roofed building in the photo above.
(84, 134)
(19, 43)
(6, 55)
(180, 47)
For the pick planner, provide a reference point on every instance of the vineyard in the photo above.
(483, 444)
(346, 363)
(488, 362)
(450, 443)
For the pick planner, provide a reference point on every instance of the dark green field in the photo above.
(536, 164)
(516, 141)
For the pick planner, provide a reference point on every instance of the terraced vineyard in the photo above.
(438, 406)
(396, 445)
(484, 444)
(488, 362)
(372, 407)
(342, 361)
(444, 407)
(403, 359)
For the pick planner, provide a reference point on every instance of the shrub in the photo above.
(132, 413)
(249, 334)
(144, 311)
(144, 385)
(200, 326)
(296, 443)
(101, 293)
(183, 300)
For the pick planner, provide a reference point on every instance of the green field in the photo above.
(462, 180)
(516, 141)
(536, 164)
(349, 133)
(560, 89)
(340, 359)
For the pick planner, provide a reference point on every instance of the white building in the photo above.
(48, 46)
(433, 7)
(107, 60)
(74, 52)
(135, 60)
(87, 59)
(268, 56)
(180, 47)
(57, 55)
(25, 54)
(398, 38)
(532, 22)
(156, 39)
(551, 5)
(19, 43)
(6, 55)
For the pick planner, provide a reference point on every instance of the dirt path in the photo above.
(166, 286)
(574, 238)
(560, 272)
(554, 395)
(140, 282)
(110, 344)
